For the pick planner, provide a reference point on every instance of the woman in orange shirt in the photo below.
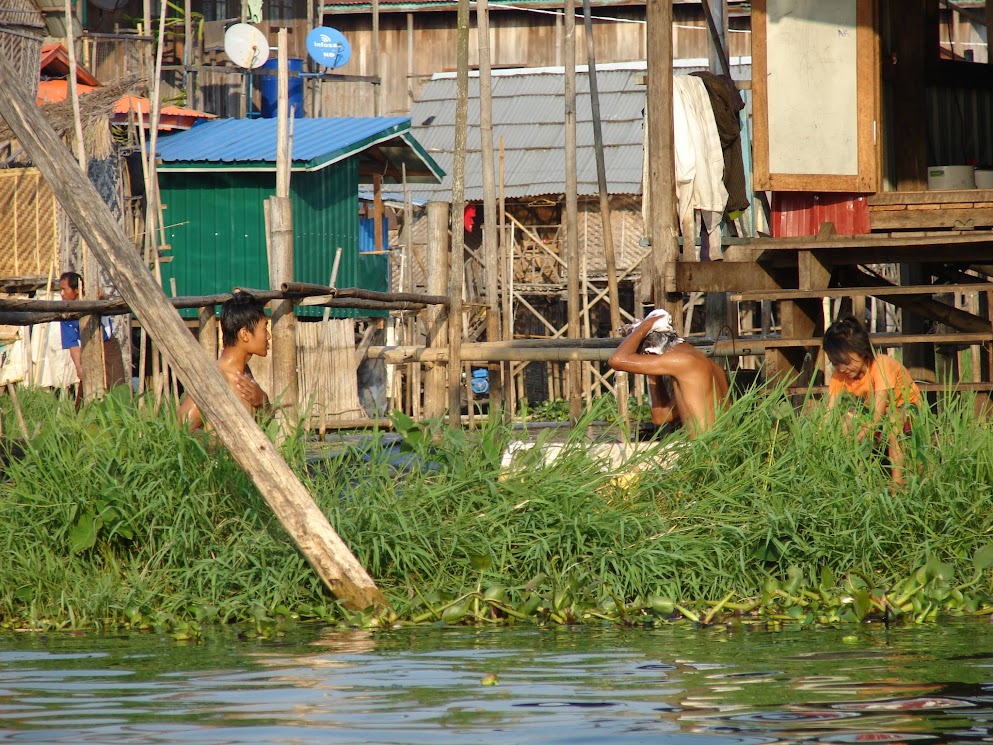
(880, 381)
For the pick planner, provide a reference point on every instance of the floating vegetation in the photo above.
(117, 516)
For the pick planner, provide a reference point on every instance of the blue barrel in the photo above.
(480, 383)
(269, 89)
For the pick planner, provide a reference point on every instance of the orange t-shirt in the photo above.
(884, 374)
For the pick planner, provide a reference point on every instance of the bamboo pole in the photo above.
(325, 403)
(378, 85)
(434, 316)
(457, 218)
(661, 185)
(238, 432)
(90, 332)
(507, 270)
(491, 249)
(620, 378)
(571, 206)
(286, 384)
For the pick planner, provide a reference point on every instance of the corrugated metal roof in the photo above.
(528, 113)
(316, 142)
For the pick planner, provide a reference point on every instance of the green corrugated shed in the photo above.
(217, 231)
(215, 178)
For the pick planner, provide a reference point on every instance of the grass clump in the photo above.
(116, 515)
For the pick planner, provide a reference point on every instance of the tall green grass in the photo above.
(116, 515)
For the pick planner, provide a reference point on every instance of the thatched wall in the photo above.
(29, 225)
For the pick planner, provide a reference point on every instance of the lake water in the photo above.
(674, 686)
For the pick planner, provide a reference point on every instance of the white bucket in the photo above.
(984, 178)
(951, 177)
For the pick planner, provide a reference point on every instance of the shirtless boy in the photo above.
(699, 385)
(244, 332)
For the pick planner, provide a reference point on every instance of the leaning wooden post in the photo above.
(239, 433)
(434, 315)
(661, 185)
(620, 378)
(284, 346)
(457, 219)
(575, 368)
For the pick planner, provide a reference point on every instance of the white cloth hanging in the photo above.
(696, 137)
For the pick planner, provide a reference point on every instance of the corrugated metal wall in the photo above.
(217, 231)
(796, 213)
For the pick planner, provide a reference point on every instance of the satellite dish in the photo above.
(328, 47)
(109, 4)
(246, 46)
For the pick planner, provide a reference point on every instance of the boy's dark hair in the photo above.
(847, 336)
(242, 311)
(73, 279)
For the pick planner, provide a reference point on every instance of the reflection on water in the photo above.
(676, 686)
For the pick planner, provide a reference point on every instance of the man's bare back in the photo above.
(699, 385)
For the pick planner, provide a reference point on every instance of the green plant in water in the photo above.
(119, 516)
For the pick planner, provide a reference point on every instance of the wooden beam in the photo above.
(282, 490)
(914, 219)
(881, 291)
(911, 199)
(726, 276)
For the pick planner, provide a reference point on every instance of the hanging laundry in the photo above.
(695, 136)
(726, 103)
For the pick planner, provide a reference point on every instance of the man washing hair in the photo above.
(684, 384)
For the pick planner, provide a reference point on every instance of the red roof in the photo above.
(55, 64)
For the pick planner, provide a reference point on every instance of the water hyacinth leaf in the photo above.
(827, 579)
(662, 606)
(939, 570)
(83, 535)
(481, 562)
(861, 603)
(497, 593)
(983, 558)
(454, 613)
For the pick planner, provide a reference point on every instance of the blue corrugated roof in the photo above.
(316, 142)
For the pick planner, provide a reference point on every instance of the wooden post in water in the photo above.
(620, 378)
(436, 321)
(491, 249)
(207, 331)
(457, 219)
(572, 208)
(239, 433)
(90, 333)
(662, 231)
(284, 346)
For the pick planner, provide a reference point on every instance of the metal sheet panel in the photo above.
(254, 140)
(796, 213)
(217, 231)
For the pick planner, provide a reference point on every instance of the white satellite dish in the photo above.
(246, 46)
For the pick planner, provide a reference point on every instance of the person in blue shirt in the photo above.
(71, 286)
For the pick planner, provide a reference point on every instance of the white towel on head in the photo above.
(663, 320)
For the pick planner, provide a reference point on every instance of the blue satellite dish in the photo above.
(328, 47)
